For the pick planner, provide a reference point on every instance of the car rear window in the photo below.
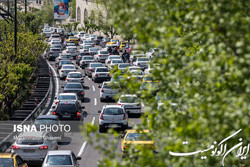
(116, 61)
(6, 162)
(93, 49)
(123, 65)
(88, 42)
(88, 58)
(65, 56)
(59, 160)
(143, 59)
(111, 85)
(67, 107)
(84, 53)
(102, 70)
(66, 62)
(104, 52)
(129, 99)
(30, 140)
(96, 65)
(55, 50)
(137, 137)
(45, 121)
(77, 86)
(75, 76)
(113, 111)
(67, 97)
(72, 49)
(68, 67)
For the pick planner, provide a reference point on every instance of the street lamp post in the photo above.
(15, 31)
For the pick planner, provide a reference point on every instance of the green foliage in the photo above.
(16, 70)
(73, 5)
(206, 73)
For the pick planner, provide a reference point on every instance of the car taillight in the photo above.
(71, 59)
(109, 75)
(124, 116)
(99, 55)
(78, 115)
(81, 93)
(101, 117)
(56, 102)
(43, 147)
(15, 147)
(53, 42)
(50, 52)
(54, 113)
(102, 90)
(67, 51)
(61, 70)
(59, 59)
(138, 64)
(104, 42)
(83, 62)
(82, 79)
(90, 69)
(118, 103)
(59, 66)
(77, 51)
(67, 79)
(96, 75)
(79, 57)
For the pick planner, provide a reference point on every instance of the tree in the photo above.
(205, 72)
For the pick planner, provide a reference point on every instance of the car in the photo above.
(142, 62)
(91, 67)
(88, 43)
(136, 140)
(109, 90)
(114, 62)
(74, 87)
(153, 52)
(79, 35)
(85, 61)
(147, 78)
(56, 41)
(60, 31)
(130, 103)
(123, 67)
(79, 57)
(33, 145)
(63, 56)
(101, 74)
(61, 158)
(132, 68)
(47, 33)
(50, 120)
(55, 36)
(111, 57)
(74, 39)
(112, 116)
(75, 77)
(84, 37)
(66, 68)
(68, 110)
(112, 42)
(53, 53)
(72, 50)
(93, 51)
(84, 48)
(58, 46)
(62, 62)
(11, 160)
(66, 97)
(97, 40)
(101, 56)
(104, 41)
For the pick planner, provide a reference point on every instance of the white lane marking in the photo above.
(93, 121)
(88, 78)
(95, 101)
(85, 142)
(93, 87)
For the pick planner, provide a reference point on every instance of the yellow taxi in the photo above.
(11, 160)
(73, 39)
(122, 44)
(112, 42)
(135, 138)
(147, 78)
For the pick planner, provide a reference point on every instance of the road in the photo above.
(75, 141)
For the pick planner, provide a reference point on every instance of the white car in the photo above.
(111, 57)
(88, 42)
(130, 103)
(85, 61)
(54, 37)
(101, 56)
(63, 56)
(101, 74)
(131, 68)
(67, 68)
(79, 35)
(136, 74)
(72, 50)
(114, 62)
(142, 62)
(55, 41)
(109, 90)
(123, 67)
(66, 97)
(112, 116)
(75, 77)
(84, 37)
(152, 52)
(33, 146)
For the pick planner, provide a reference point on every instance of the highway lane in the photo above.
(74, 140)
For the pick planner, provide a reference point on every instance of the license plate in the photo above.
(113, 125)
(134, 111)
(28, 151)
(66, 116)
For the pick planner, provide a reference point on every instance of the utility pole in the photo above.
(8, 4)
(25, 4)
(15, 31)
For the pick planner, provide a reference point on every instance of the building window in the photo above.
(78, 19)
(85, 14)
(40, 1)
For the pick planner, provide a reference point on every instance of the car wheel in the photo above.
(124, 127)
(101, 100)
(101, 129)
(82, 99)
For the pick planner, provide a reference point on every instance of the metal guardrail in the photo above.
(7, 142)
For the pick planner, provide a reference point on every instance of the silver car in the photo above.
(72, 50)
(75, 77)
(101, 56)
(101, 74)
(130, 103)
(53, 53)
(61, 158)
(33, 146)
(112, 116)
(91, 68)
(109, 90)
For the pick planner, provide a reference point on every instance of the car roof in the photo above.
(59, 152)
(78, 72)
(67, 94)
(112, 106)
(69, 102)
(128, 95)
(73, 83)
(47, 116)
(33, 133)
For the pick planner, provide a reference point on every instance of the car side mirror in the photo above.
(122, 136)
(78, 158)
(99, 111)
(99, 86)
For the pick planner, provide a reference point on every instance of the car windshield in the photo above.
(68, 67)
(137, 137)
(72, 37)
(111, 85)
(6, 162)
(87, 58)
(96, 65)
(129, 99)
(30, 140)
(67, 97)
(113, 111)
(46, 121)
(75, 75)
(143, 59)
(147, 79)
(59, 160)
(113, 40)
(78, 86)
(72, 49)
(104, 52)
(102, 70)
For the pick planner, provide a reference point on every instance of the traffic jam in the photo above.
(89, 73)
